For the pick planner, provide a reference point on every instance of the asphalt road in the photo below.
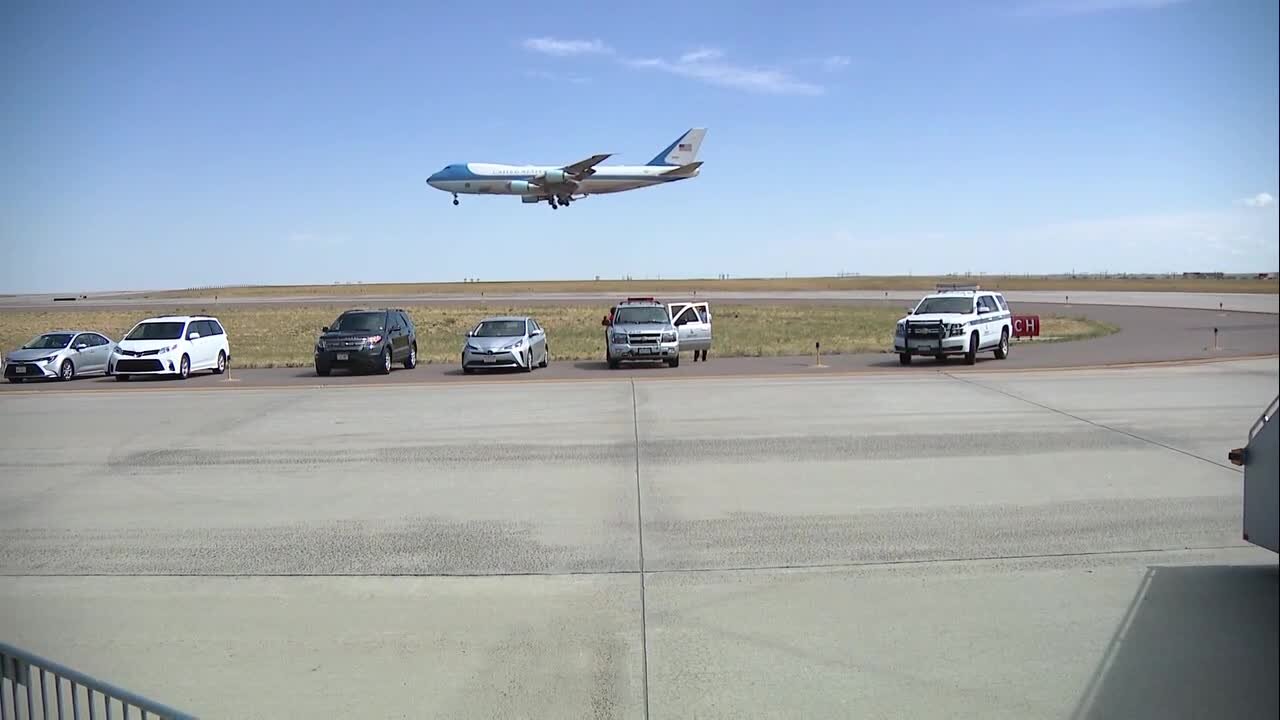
(1243, 302)
(1147, 335)
(980, 544)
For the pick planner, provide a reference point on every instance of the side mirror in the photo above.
(81, 346)
(324, 329)
(604, 321)
(193, 336)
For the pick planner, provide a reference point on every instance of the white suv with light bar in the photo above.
(171, 345)
(955, 320)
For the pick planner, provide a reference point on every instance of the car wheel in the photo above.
(467, 371)
(184, 367)
(546, 357)
(528, 361)
(385, 368)
(66, 371)
(411, 362)
(971, 355)
(122, 378)
(674, 362)
(904, 358)
(222, 363)
(322, 370)
(1002, 351)
(15, 381)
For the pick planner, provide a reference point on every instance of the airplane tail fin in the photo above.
(683, 151)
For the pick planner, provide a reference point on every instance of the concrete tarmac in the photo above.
(978, 544)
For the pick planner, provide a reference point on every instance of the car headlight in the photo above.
(900, 328)
(373, 340)
(619, 338)
(46, 359)
(320, 345)
(514, 345)
(668, 337)
(955, 329)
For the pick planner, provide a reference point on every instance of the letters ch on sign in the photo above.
(1026, 325)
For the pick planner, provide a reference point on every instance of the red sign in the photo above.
(1026, 325)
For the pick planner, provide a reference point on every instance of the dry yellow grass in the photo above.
(275, 336)
(668, 287)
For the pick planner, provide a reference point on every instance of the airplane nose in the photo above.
(435, 178)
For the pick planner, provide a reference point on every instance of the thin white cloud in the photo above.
(701, 55)
(566, 48)
(710, 67)
(835, 62)
(704, 64)
(1261, 200)
(1088, 7)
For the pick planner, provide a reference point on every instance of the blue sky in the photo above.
(180, 143)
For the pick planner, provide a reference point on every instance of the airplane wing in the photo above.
(583, 168)
(683, 170)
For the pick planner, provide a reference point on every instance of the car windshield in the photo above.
(945, 305)
(500, 328)
(50, 341)
(641, 315)
(156, 331)
(358, 322)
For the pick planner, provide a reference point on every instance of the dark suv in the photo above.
(368, 340)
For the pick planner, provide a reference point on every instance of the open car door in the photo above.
(693, 324)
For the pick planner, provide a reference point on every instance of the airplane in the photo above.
(564, 184)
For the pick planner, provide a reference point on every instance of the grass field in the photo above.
(284, 336)
(658, 287)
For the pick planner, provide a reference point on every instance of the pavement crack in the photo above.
(644, 631)
(1094, 423)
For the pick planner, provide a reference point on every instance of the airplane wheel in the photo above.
(455, 201)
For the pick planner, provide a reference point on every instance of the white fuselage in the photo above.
(498, 179)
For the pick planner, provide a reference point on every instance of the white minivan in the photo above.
(171, 345)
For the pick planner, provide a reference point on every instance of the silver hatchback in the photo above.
(505, 342)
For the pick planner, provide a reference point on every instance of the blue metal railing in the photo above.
(27, 682)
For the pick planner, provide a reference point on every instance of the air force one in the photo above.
(562, 185)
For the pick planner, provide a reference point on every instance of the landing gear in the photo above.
(455, 198)
(552, 202)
